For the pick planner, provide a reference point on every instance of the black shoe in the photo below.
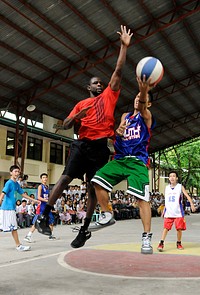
(81, 238)
(42, 225)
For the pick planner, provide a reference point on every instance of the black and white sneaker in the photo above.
(42, 225)
(105, 219)
(81, 238)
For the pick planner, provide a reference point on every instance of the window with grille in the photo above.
(56, 153)
(34, 148)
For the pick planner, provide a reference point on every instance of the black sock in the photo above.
(86, 223)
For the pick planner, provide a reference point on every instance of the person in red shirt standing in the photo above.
(94, 118)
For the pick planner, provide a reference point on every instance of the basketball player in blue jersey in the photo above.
(43, 196)
(131, 163)
(174, 212)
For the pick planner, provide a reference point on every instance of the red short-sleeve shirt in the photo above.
(99, 120)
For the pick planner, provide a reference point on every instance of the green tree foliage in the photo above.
(185, 159)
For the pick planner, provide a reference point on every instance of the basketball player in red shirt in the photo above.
(95, 118)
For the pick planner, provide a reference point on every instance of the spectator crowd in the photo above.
(71, 206)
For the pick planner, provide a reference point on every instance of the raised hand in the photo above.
(125, 36)
(120, 130)
(144, 85)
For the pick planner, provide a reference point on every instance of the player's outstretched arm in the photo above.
(125, 37)
(143, 104)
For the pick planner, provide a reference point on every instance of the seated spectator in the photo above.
(32, 196)
(130, 209)
(154, 204)
(71, 210)
(24, 198)
(124, 210)
(18, 203)
(70, 192)
(31, 209)
(23, 181)
(81, 213)
(83, 189)
(23, 214)
(57, 205)
(136, 210)
(77, 192)
(20, 181)
(65, 217)
(116, 209)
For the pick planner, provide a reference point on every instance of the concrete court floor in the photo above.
(53, 267)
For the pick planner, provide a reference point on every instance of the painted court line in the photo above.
(29, 260)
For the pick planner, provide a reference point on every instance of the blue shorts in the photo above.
(51, 218)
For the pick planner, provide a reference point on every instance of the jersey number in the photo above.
(172, 199)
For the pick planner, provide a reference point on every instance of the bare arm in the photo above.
(1, 197)
(144, 87)
(189, 199)
(125, 37)
(115, 80)
(69, 122)
(27, 197)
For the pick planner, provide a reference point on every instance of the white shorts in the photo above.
(8, 220)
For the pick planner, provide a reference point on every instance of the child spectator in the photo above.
(65, 217)
(8, 205)
(23, 214)
(81, 213)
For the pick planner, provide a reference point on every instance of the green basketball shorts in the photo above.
(130, 168)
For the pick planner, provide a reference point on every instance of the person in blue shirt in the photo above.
(130, 162)
(8, 220)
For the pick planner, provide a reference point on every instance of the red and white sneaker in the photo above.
(180, 247)
(160, 247)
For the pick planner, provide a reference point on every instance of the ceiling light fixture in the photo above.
(31, 108)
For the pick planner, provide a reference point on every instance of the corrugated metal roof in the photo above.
(50, 49)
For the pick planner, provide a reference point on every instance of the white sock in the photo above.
(29, 234)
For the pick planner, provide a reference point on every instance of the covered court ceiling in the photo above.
(50, 49)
